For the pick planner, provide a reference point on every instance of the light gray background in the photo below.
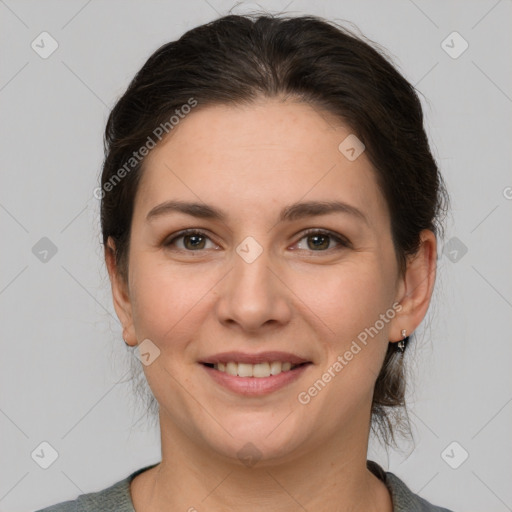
(62, 357)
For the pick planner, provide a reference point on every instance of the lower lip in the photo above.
(256, 386)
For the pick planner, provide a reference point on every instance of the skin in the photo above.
(251, 162)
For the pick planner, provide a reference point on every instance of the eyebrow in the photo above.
(289, 213)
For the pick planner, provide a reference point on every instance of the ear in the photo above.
(120, 294)
(416, 287)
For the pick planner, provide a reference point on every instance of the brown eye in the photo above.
(318, 241)
(189, 240)
(322, 241)
(193, 241)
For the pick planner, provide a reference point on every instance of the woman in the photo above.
(270, 208)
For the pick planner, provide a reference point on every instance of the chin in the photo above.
(259, 438)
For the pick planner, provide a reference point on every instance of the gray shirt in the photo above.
(116, 498)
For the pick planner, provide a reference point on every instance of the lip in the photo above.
(255, 386)
(261, 357)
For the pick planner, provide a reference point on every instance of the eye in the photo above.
(319, 240)
(192, 240)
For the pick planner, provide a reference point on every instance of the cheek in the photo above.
(167, 298)
(346, 299)
(350, 303)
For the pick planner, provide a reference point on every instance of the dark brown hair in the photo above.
(239, 59)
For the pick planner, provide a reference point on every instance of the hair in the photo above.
(238, 60)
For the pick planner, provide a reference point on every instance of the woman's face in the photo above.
(255, 286)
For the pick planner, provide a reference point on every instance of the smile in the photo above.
(260, 370)
(255, 375)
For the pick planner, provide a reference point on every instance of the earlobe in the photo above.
(416, 287)
(120, 294)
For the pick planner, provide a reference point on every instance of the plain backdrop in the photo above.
(63, 362)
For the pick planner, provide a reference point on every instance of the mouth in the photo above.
(255, 374)
(259, 370)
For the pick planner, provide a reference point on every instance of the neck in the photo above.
(332, 476)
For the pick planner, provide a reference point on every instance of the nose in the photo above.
(253, 296)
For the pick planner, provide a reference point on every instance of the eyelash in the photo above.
(309, 232)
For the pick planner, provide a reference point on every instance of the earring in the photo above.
(403, 342)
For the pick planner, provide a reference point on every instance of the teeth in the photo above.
(276, 367)
(254, 370)
(231, 369)
(244, 370)
(261, 370)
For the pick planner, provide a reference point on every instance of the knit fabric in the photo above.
(117, 498)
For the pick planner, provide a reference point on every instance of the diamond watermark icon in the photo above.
(454, 455)
(146, 352)
(44, 455)
(454, 249)
(454, 45)
(249, 455)
(249, 249)
(44, 250)
(44, 45)
(351, 147)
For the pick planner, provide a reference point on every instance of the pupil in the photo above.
(195, 244)
(317, 238)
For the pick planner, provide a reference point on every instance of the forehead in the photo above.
(268, 153)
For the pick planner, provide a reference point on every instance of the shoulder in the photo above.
(65, 506)
(404, 500)
(115, 498)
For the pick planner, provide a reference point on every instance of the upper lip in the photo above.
(261, 357)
